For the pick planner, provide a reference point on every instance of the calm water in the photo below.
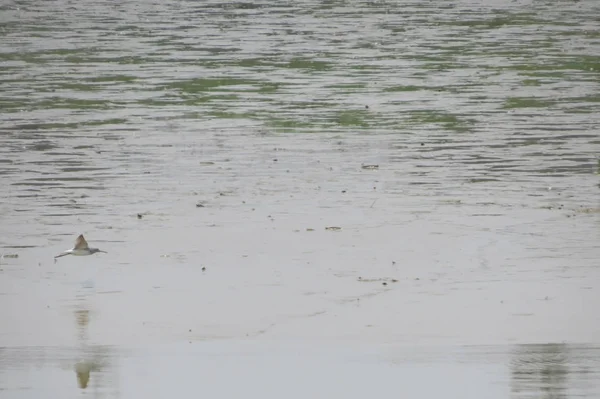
(416, 182)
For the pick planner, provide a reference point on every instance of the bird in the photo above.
(81, 248)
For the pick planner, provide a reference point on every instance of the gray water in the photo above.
(415, 178)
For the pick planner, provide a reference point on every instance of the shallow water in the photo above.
(298, 370)
(416, 176)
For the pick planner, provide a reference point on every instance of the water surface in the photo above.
(410, 177)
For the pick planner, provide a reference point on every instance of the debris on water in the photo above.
(139, 215)
(393, 262)
(274, 159)
(310, 229)
(206, 163)
(343, 191)
(203, 268)
(384, 280)
(369, 167)
(199, 205)
(10, 256)
(333, 228)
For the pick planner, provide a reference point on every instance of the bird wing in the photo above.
(81, 243)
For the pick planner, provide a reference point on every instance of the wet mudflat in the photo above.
(313, 199)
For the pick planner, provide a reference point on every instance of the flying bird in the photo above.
(81, 248)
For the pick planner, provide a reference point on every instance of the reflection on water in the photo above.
(83, 369)
(555, 371)
(82, 317)
(93, 359)
(541, 371)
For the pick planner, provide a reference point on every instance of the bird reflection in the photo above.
(83, 369)
(92, 360)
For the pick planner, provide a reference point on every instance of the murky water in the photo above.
(414, 181)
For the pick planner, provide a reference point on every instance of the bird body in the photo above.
(81, 248)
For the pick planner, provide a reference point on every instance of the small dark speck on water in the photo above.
(384, 283)
(203, 268)
(393, 262)
(366, 107)
(422, 143)
(343, 191)
(275, 160)
(199, 205)
(139, 216)
(190, 330)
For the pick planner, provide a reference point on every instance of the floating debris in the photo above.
(333, 228)
(309, 229)
(203, 268)
(384, 280)
(139, 216)
(199, 205)
(10, 256)
(588, 210)
(369, 167)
